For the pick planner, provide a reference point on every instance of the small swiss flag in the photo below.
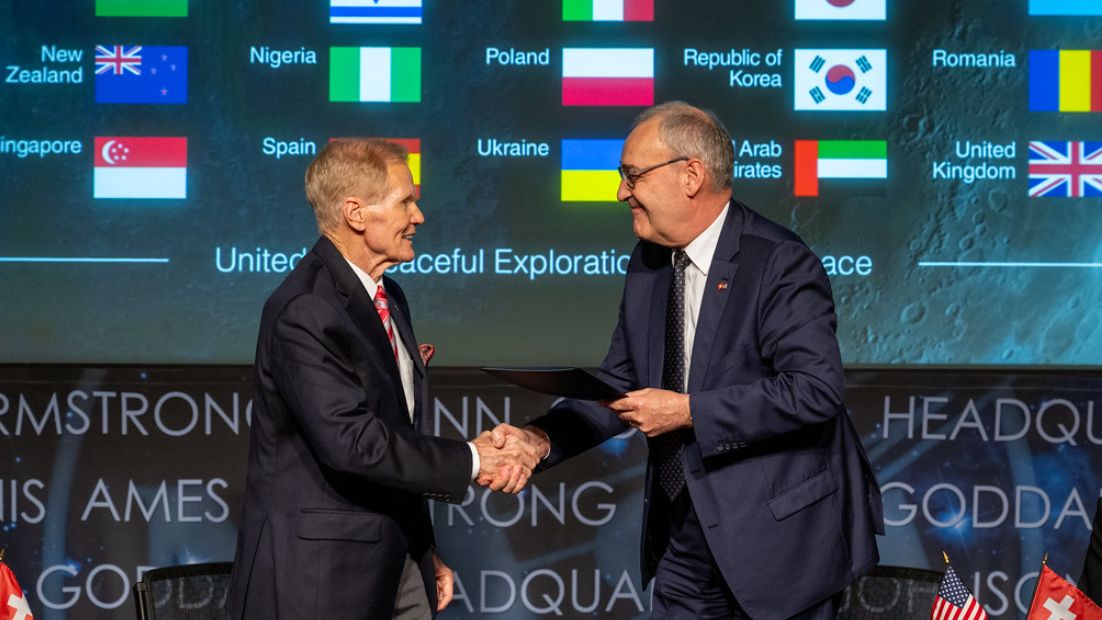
(13, 603)
(1056, 599)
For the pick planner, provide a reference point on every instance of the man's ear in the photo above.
(694, 177)
(352, 210)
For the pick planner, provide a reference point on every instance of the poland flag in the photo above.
(132, 167)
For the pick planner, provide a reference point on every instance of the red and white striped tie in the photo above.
(383, 307)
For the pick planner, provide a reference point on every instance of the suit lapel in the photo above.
(400, 315)
(656, 333)
(717, 290)
(360, 306)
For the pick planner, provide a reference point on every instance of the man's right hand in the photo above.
(505, 465)
(534, 437)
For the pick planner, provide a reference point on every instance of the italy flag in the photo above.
(382, 74)
(608, 10)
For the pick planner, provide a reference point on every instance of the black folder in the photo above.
(568, 382)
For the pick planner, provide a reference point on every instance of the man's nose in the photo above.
(623, 192)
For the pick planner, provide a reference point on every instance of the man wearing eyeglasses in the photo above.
(759, 500)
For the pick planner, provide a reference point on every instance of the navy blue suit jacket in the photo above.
(1091, 580)
(775, 470)
(338, 476)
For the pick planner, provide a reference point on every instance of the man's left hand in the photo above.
(445, 583)
(653, 411)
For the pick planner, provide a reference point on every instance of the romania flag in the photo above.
(1065, 80)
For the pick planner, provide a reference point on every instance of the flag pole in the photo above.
(1037, 588)
(2, 554)
(946, 556)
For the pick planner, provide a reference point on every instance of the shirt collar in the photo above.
(701, 249)
(369, 283)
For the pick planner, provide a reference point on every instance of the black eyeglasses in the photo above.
(629, 178)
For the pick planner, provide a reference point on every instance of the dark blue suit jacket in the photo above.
(785, 494)
(338, 475)
(1091, 580)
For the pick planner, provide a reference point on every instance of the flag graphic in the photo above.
(953, 601)
(1065, 169)
(141, 8)
(841, 9)
(132, 167)
(837, 159)
(389, 74)
(413, 147)
(141, 74)
(589, 170)
(608, 10)
(607, 76)
(840, 80)
(1065, 7)
(375, 11)
(1056, 599)
(1065, 80)
(13, 603)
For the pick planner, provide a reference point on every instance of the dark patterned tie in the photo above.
(671, 471)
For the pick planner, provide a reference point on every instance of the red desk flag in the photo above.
(13, 604)
(1056, 599)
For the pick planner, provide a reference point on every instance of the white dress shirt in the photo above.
(700, 252)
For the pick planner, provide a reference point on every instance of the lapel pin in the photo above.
(721, 286)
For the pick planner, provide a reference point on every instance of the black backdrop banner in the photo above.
(108, 472)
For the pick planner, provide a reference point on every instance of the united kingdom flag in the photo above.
(1065, 169)
(115, 60)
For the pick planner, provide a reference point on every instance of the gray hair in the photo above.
(693, 132)
(349, 167)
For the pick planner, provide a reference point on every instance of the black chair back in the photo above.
(890, 593)
(189, 592)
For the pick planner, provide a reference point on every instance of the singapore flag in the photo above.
(140, 167)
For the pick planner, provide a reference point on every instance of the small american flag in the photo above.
(954, 602)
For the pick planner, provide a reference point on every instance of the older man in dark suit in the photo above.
(336, 522)
(759, 500)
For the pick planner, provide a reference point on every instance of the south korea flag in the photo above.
(840, 80)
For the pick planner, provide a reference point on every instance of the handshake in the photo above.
(508, 455)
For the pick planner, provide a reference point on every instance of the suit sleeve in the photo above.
(574, 426)
(796, 335)
(1091, 581)
(312, 367)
